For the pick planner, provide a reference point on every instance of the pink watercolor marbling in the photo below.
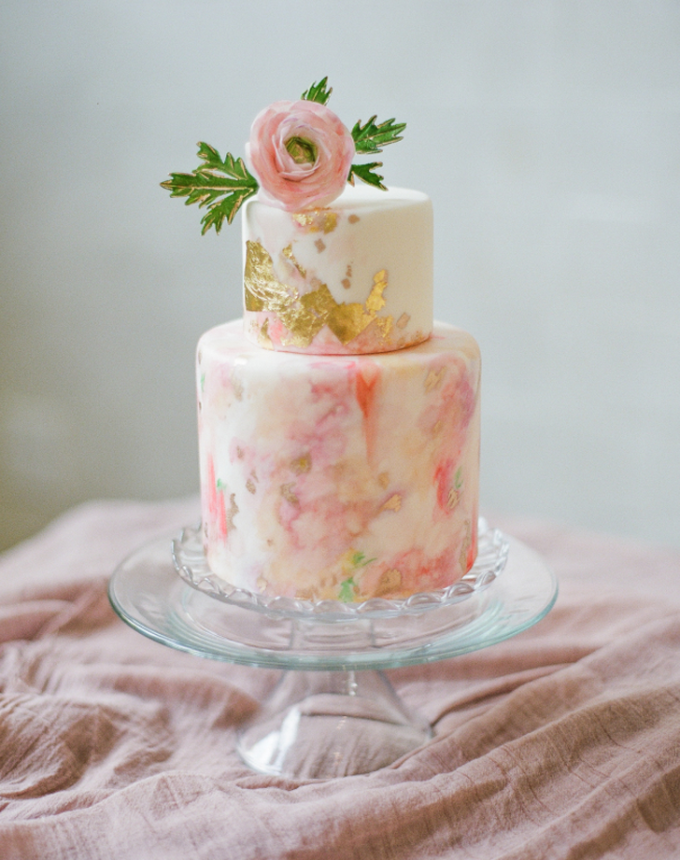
(342, 477)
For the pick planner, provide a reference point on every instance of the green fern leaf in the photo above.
(366, 173)
(220, 185)
(371, 137)
(318, 92)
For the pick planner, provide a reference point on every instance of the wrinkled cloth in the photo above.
(563, 742)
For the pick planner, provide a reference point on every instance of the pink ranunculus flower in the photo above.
(301, 154)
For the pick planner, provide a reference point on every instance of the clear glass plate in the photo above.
(148, 594)
(191, 564)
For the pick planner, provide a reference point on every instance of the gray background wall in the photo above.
(547, 133)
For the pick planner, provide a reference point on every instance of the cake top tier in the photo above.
(353, 277)
(328, 268)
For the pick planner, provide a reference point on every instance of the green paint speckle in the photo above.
(359, 560)
(347, 589)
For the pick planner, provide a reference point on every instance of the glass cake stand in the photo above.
(333, 711)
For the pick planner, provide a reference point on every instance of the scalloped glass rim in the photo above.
(189, 560)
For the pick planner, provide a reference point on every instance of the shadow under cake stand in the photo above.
(333, 711)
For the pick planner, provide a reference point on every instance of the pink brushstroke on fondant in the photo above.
(214, 505)
(367, 379)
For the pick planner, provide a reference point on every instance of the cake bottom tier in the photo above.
(339, 477)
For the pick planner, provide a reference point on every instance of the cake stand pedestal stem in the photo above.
(325, 724)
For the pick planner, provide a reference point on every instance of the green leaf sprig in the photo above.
(222, 186)
(368, 138)
(318, 92)
(371, 138)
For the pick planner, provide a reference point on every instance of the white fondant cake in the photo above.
(342, 477)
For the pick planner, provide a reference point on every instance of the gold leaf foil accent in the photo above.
(389, 582)
(375, 300)
(353, 218)
(346, 283)
(402, 322)
(453, 498)
(434, 380)
(347, 321)
(288, 494)
(392, 504)
(305, 219)
(239, 452)
(330, 222)
(320, 245)
(263, 289)
(384, 324)
(305, 315)
(233, 510)
(319, 221)
(384, 480)
(301, 464)
(263, 336)
(320, 302)
(250, 486)
(288, 254)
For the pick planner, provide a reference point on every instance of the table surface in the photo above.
(563, 742)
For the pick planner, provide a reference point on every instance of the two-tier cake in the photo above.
(338, 426)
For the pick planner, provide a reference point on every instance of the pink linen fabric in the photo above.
(563, 742)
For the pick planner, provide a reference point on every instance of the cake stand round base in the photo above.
(320, 725)
(333, 712)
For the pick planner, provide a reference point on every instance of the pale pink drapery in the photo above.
(563, 742)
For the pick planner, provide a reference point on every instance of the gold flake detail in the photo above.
(320, 245)
(375, 300)
(389, 582)
(288, 494)
(233, 510)
(384, 325)
(392, 504)
(353, 218)
(263, 336)
(384, 480)
(434, 380)
(453, 498)
(288, 254)
(319, 221)
(301, 464)
(402, 322)
(305, 315)
(239, 452)
(250, 486)
(346, 283)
